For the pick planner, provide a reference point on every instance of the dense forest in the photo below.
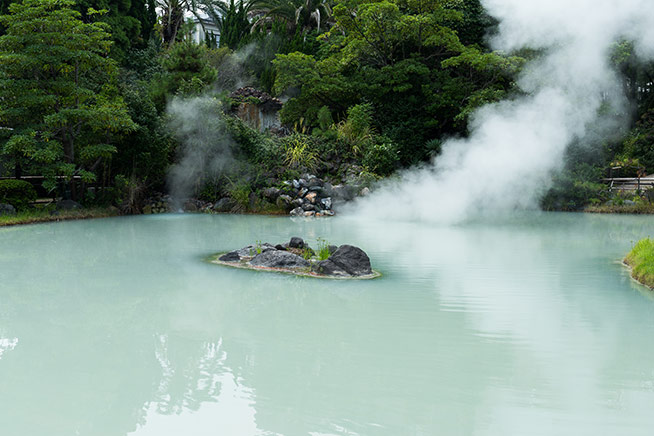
(116, 101)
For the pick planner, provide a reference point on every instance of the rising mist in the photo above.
(515, 146)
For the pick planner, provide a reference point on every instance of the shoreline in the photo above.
(44, 216)
(640, 261)
(633, 277)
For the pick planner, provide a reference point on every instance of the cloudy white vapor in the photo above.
(515, 145)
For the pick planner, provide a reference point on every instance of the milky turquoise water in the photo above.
(522, 326)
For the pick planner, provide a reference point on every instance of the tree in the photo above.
(58, 93)
(132, 22)
(405, 58)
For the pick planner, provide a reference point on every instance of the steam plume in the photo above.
(514, 146)
(205, 145)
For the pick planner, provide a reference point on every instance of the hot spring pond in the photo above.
(527, 326)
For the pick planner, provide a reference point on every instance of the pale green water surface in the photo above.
(522, 327)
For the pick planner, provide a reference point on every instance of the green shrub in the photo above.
(240, 192)
(18, 193)
(380, 156)
(323, 249)
(299, 152)
(325, 120)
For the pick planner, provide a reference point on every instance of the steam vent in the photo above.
(297, 257)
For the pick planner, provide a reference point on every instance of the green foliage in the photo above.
(240, 192)
(18, 193)
(187, 71)
(639, 143)
(146, 151)
(575, 188)
(325, 120)
(380, 156)
(407, 61)
(641, 260)
(299, 153)
(323, 249)
(131, 22)
(58, 89)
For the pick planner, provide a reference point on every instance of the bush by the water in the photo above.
(18, 193)
(641, 260)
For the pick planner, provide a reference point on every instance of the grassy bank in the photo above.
(639, 208)
(46, 215)
(641, 261)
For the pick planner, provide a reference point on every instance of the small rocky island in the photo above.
(296, 257)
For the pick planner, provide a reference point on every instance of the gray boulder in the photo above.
(7, 209)
(232, 256)
(326, 203)
(296, 242)
(271, 193)
(284, 202)
(279, 259)
(224, 205)
(298, 211)
(347, 260)
(344, 192)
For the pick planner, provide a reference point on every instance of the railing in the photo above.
(629, 183)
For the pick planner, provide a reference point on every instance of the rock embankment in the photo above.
(297, 257)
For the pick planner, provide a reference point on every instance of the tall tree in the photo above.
(132, 22)
(58, 93)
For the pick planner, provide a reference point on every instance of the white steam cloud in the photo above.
(205, 150)
(515, 146)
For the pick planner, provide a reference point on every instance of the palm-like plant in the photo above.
(232, 19)
(305, 15)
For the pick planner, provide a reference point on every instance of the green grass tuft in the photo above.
(641, 261)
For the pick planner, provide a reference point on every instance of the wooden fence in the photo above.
(629, 183)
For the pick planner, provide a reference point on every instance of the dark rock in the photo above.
(344, 192)
(298, 211)
(311, 197)
(329, 268)
(224, 205)
(346, 260)
(190, 206)
(326, 202)
(303, 183)
(254, 200)
(271, 193)
(314, 181)
(308, 206)
(232, 256)
(7, 209)
(332, 249)
(284, 202)
(68, 205)
(297, 202)
(296, 242)
(280, 247)
(279, 259)
(327, 189)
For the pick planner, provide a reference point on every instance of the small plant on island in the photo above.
(323, 249)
